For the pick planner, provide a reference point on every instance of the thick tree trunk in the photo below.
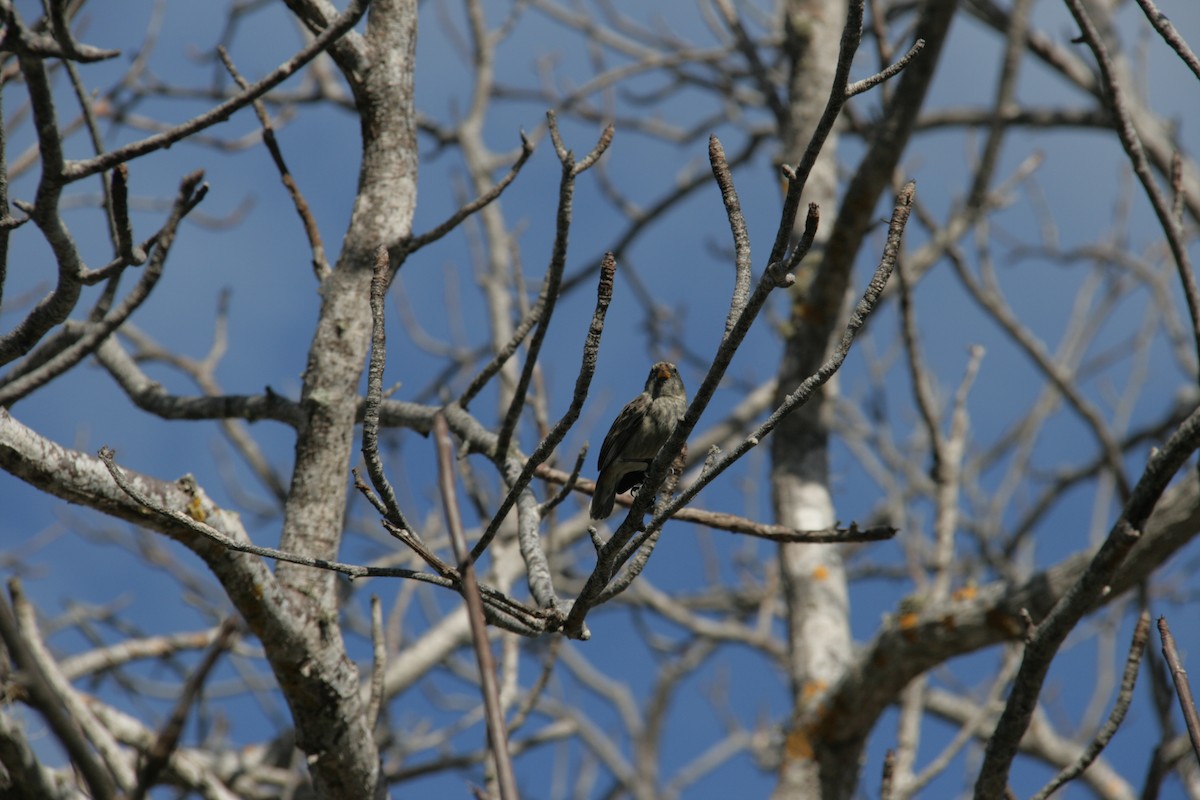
(812, 576)
(813, 764)
(316, 505)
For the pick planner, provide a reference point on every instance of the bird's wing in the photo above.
(623, 429)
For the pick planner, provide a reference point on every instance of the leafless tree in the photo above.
(435, 452)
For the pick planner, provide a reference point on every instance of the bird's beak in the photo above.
(663, 372)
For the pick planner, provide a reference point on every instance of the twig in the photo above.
(653, 211)
(497, 732)
(414, 243)
(7, 223)
(949, 479)
(126, 250)
(26, 774)
(1179, 675)
(568, 486)
(530, 701)
(78, 709)
(1141, 633)
(1167, 756)
(988, 296)
(553, 732)
(733, 523)
(1170, 35)
(782, 533)
(55, 307)
(798, 176)
(733, 212)
(637, 553)
(971, 726)
(370, 433)
(918, 374)
(889, 766)
(529, 539)
(431, 558)
(887, 140)
(1015, 35)
(100, 660)
(368, 492)
(748, 49)
(320, 263)
(858, 87)
(150, 396)
(1178, 195)
(378, 663)
(1141, 167)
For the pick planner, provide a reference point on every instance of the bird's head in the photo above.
(664, 379)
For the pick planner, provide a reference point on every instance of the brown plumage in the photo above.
(637, 434)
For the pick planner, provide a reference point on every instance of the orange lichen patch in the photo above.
(820, 573)
(967, 592)
(812, 689)
(195, 510)
(798, 745)
(907, 623)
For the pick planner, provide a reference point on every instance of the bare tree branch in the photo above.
(497, 730)
(1182, 687)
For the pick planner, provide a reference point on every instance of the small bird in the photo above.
(637, 434)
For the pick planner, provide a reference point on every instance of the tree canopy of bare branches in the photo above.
(313, 316)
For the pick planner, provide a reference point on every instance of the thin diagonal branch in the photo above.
(320, 263)
(1133, 661)
(737, 225)
(1083, 595)
(858, 87)
(748, 49)
(798, 176)
(1182, 687)
(497, 730)
(1172, 230)
(370, 431)
(1170, 35)
(415, 243)
(168, 738)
